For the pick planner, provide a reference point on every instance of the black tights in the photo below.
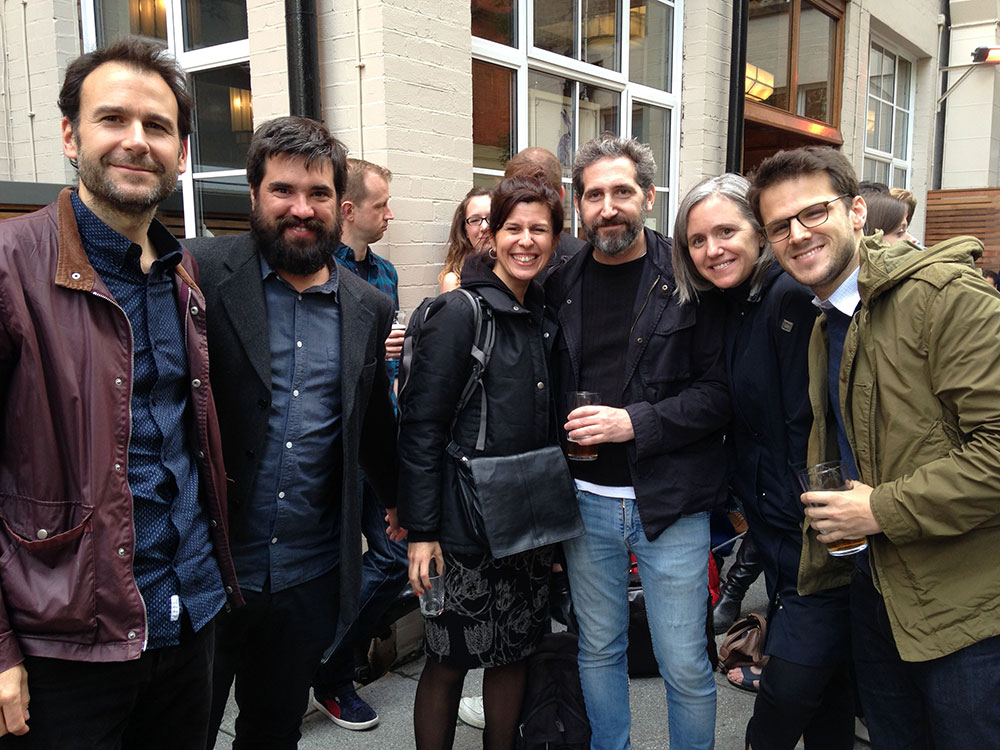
(436, 707)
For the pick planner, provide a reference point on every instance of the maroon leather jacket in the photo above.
(67, 589)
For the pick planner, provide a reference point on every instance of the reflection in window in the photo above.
(598, 112)
(211, 22)
(652, 125)
(493, 134)
(817, 37)
(550, 115)
(222, 206)
(767, 46)
(651, 33)
(495, 20)
(145, 18)
(600, 37)
(887, 125)
(555, 26)
(224, 118)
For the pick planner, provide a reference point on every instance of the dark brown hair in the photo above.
(139, 55)
(787, 165)
(295, 136)
(515, 190)
(884, 212)
(459, 247)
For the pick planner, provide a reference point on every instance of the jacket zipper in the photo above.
(131, 358)
(644, 303)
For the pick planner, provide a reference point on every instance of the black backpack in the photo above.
(553, 715)
(482, 347)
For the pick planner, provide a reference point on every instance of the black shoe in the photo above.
(744, 571)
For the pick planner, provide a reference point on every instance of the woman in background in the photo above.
(469, 236)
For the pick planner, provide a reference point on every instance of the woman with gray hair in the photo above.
(805, 689)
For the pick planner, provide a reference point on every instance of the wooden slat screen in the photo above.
(975, 211)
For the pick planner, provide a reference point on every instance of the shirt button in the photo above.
(121, 552)
(298, 344)
(131, 635)
(300, 298)
(545, 335)
(539, 385)
(118, 381)
(194, 310)
(288, 444)
(196, 383)
(295, 393)
(281, 494)
(274, 540)
(42, 534)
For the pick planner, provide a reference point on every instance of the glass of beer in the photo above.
(575, 451)
(829, 477)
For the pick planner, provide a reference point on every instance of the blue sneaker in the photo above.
(347, 710)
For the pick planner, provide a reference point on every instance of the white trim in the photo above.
(876, 154)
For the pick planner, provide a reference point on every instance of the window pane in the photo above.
(885, 129)
(223, 118)
(222, 206)
(902, 125)
(903, 83)
(550, 115)
(875, 71)
(898, 177)
(493, 133)
(767, 46)
(651, 31)
(872, 123)
(210, 22)
(600, 37)
(495, 20)
(868, 169)
(817, 36)
(882, 172)
(651, 125)
(554, 26)
(888, 76)
(598, 112)
(657, 218)
(117, 18)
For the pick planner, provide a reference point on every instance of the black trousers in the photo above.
(157, 702)
(794, 701)
(271, 647)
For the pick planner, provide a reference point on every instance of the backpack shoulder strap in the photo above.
(483, 339)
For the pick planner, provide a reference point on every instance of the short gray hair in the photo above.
(733, 188)
(610, 146)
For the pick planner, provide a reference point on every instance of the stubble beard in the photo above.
(298, 258)
(94, 175)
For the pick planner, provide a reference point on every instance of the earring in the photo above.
(492, 253)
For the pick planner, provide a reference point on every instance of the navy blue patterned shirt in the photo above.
(173, 563)
(382, 275)
(288, 532)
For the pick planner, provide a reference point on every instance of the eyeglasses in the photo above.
(473, 220)
(808, 217)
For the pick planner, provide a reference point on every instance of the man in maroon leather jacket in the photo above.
(114, 558)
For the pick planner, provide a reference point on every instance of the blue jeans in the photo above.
(384, 574)
(942, 704)
(674, 570)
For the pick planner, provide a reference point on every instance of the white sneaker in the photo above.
(470, 711)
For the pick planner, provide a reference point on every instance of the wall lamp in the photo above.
(980, 56)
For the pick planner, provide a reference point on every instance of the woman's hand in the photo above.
(420, 555)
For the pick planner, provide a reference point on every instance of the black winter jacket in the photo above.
(675, 386)
(519, 409)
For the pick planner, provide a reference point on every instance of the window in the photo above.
(555, 73)
(888, 125)
(209, 40)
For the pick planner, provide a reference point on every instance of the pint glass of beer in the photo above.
(829, 476)
(575, 451)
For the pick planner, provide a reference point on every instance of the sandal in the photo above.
(749, 679)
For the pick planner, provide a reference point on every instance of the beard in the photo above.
(96, 177)
(615, 244)
(298, 258)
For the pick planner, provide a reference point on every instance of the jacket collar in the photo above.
(884, 266)
(73, 269)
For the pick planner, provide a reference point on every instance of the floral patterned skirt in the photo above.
(495, 611)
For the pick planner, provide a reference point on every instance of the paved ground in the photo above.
(392, 697)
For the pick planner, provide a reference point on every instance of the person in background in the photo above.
(990, 276)
(886, 214)
(495, 610)
(468, 237)
(806, 687)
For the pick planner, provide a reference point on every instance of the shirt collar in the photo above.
(113, 248)
(346, 253)
(330, 286)
(845, 299)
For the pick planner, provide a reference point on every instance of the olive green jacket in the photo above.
(920, 393)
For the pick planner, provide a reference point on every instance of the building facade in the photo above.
(443, 93)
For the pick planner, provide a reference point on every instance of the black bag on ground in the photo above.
(553, 715)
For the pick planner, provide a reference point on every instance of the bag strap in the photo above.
(483, 339)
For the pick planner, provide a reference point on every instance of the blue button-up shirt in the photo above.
(173, 562)
(288, 533)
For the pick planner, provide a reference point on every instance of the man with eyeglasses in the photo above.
(904, 357)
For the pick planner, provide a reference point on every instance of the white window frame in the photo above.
(525, 55)
(192, 61)
(887, 157)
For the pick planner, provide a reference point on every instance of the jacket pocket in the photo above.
(48, 575)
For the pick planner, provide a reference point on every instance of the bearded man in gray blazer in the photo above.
(297, 358)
